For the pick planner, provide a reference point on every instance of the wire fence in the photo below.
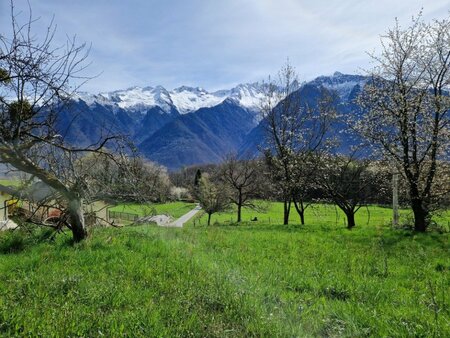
(124, 216)
(321, 214)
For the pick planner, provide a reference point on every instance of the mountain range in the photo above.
(187, 125)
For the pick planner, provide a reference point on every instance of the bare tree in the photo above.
(350, 183)
(407, 104)
(124, 178)
(245, 181)
(296, 133)
(212, 197)
(304, 173)
(314, 140)
(280, 111)
(35, 84)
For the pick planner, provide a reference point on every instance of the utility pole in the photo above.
(395, 215)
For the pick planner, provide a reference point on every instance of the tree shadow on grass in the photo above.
(388, 238)
(252, 227)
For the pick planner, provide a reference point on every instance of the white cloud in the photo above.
(217, 43)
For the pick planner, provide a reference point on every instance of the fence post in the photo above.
(395, 214)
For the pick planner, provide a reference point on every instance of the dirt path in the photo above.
(183, 219)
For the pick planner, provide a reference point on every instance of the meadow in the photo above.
(174, 209)
(317, 214)
(256, 279)
(9, 182)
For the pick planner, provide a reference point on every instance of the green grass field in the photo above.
(316, 215)
(10, 182)
(253, 280)
(174, 209)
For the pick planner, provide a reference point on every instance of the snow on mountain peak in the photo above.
(188, 99)
(343, 84)
(181, 89)
(248, 95)
(184, 99)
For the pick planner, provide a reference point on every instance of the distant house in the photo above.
(5, 200)
(32, 201)
(39, 202)
(3, 207)
(5, 196)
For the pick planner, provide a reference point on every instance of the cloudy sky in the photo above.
(219, 43)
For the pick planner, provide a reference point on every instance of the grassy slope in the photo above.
(261, 280)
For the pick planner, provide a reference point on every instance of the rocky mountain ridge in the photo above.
(188, 125)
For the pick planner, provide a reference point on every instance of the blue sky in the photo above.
(217, 44)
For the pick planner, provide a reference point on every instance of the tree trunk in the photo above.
(421, 215)
(209, 219)
(350, 219)
(300, 210)
(239, 217)
(76, 220)
(287, 209)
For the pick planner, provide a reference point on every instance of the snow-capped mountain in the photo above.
(346, 87)
(342, 84)
(183, 99)
(188, 125)
(187, 99)
(246, 95)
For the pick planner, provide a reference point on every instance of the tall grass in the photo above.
(254, 280)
